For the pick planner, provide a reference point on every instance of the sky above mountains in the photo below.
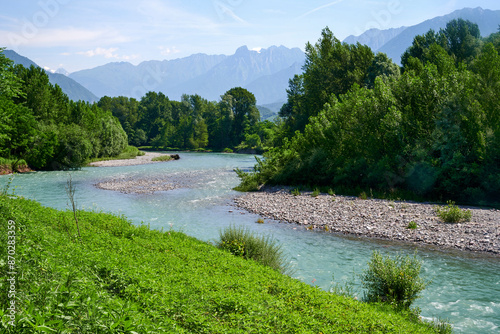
(75, 34)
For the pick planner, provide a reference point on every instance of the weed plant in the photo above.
(296, 192)
(453, 214)
(242, 242)
(315, 192)
(412, 225)
(162, 158)
(393, 281)
(363, 195)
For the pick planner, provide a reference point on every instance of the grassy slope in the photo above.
(123, 278)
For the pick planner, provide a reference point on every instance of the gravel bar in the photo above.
(374, 218)
(139, 160)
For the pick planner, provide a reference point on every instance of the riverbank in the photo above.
(6, 169)
(377, 219)
(103, 274)
(147, 158)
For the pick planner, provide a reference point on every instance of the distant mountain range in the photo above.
(394, 42)
(70, 87)
(265, 73)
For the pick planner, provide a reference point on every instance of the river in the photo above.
(464, 288)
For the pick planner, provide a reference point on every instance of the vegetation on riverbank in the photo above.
(355, 120)
(130, 152)
(122, 279)
(39, 124)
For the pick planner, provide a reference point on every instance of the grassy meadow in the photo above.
(114, 277)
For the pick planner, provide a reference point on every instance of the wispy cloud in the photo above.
(60, 37)
(320, 8)
(106, 53)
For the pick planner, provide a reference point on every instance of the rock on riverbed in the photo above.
(378, 219)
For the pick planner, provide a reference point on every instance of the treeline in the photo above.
(193, 123)
(40, 125)
(355, 120)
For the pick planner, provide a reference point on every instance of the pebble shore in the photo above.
(147, 158)
(377, 219)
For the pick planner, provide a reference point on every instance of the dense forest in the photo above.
(40, 126)
(193, 123)
(356, 121)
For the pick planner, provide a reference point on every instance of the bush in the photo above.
(412, 225)
(393, 281)
(163, 158)
(242, 242)
(453, 214)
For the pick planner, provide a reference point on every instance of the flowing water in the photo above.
(465, 288)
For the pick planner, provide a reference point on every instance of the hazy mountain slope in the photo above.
(125, 79)
(375, 38)
(207, 75)
(242, 69)
(70, 87)
(272, 88)
(487, 20)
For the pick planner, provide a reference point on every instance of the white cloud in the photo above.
(320, 8)
(106, 53)
(167, 51)
(58, 37)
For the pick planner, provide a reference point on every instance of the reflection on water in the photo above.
(465, 287)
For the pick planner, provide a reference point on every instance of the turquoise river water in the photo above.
(465, 287)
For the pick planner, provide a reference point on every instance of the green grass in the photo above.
(126, 279)
(129, 153)
(453, 214)
(163, 158)
(412, 225)
(7, 165)
(242, 242)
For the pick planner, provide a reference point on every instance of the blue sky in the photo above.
(80, 34)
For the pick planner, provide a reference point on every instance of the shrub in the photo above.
(393, 281)
(412, 225)
(163, 158)
(315, 192)
(453, 214)
(363, 195)
(227, 150)
(242, 242)
(296, 192)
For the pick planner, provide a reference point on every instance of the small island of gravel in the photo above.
(147, 158)
(377, 219)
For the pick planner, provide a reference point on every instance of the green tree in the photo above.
(244, 111)
(382, 66)
(10, 84)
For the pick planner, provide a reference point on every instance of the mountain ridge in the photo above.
(70, 87)
(487, 20)
(210, 76)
